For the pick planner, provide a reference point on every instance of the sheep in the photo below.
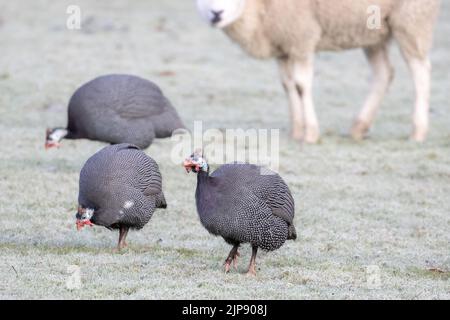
(291, 31)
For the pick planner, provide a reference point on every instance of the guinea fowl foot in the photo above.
(232, 259)
(252, 267)
(251, 272)
(121, 246)
(123, 231)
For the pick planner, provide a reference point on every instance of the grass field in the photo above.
(373, 217)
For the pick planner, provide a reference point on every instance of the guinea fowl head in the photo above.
(83, 217)
(196, 162)
(54, 136)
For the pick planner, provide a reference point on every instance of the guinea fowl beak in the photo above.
(49, 145)
(81, 223)
(187, 164)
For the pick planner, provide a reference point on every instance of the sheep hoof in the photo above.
(297, 135)
(419, 135)
(359, 130)
(312, 136)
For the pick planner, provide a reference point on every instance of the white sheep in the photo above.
(293, 30)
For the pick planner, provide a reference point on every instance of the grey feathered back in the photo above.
(241, 204)
(121, 109)
(123, 185)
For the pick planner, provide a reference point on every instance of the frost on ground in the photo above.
(373, 218)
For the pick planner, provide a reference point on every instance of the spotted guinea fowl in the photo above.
(243, 203)
(118, 109)
(120, 188)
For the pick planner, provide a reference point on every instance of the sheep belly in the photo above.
(347, 28)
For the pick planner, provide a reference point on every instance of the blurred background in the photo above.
(383, 202)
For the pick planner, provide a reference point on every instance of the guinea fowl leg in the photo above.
(232, 258)
(252, 266)
(123, 231)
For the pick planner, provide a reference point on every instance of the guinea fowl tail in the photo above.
(161, 201)
(292, 233)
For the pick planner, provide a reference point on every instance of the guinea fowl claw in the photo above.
(251, 273)
(235, 260)
(227, 264)
(121, 246)
(227, 267)
(231, 259)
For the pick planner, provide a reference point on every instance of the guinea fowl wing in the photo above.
(280, 201)
(246, 218)
(144, 175)
(150, 182)
(144, 104)
(127, 164)
(134, 110)
(266, 185)
(278, 197)
(107, 167)
(135, 210)
(111, 183)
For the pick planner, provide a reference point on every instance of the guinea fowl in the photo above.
(243, 203)
(120, 188)
(118, 109)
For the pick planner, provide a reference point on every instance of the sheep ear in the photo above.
(48, 131)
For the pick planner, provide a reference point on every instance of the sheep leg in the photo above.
(295, 103)
(415, 51)
(303, 71)
(252, 267)
(378, 58)
(123, 231)
(415, 36)
(421, 71)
